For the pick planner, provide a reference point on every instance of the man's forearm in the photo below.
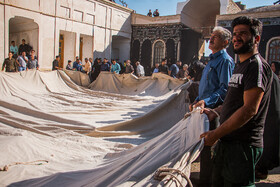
(236, 120)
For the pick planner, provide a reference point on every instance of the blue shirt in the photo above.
(116, 68)
(33, 64)
(77, 66)
(155, 70)
(14, 49)
(105, 67)
(22, 61)
(174, 70)
(215, 78)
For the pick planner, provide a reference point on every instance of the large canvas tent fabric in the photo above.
(48, 116)
(136, 166)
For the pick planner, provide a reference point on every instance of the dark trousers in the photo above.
(206, 162)
(234, 164)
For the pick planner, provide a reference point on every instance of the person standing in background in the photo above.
(9, 63)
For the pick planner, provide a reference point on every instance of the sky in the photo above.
(168, 7)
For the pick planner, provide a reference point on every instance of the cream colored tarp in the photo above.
(156, 85)
(45, 115)
(81, 79)
(136, 166)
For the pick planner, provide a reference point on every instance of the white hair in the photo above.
(225, 34)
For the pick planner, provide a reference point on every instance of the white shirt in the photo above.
(87, 67)
(140, 70)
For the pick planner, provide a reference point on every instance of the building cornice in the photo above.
(115, 5)
(264, 14)
(156, 25)
(139, 19)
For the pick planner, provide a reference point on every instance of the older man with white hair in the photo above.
(213, 87)
(139, 70)
(216, 75)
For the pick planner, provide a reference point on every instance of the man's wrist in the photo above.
(216, 112)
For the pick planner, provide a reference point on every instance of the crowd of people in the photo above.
(94, 68)
(23, 58)
(20, 58)
(234, 96)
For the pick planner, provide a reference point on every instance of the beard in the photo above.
(246, 47)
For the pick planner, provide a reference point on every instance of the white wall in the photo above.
(99, 42)
(46, 42)
(101, 10)
(120, 48)
(97, 20)
(47, 7)
(28, 4)
(87, 46)
(2, 36)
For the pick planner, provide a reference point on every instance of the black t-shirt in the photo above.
(24, 48)
(163, 69)
(254, 72)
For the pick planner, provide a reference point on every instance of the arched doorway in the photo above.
(24, 28)
(135, 50)
(170, 49)
(146, 55)
(159, 52)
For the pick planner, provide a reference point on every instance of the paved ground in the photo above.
(273, 179)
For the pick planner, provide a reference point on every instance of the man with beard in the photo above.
(239, 138)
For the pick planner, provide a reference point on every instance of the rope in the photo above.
(6, 167)
(164, 171)
(169, 81)
(188, 114)
(212, 110)
(198, 109)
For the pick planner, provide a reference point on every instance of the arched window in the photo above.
(274, 50)
(158, 52)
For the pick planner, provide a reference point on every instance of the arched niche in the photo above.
(24, 28)
(170, 51)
